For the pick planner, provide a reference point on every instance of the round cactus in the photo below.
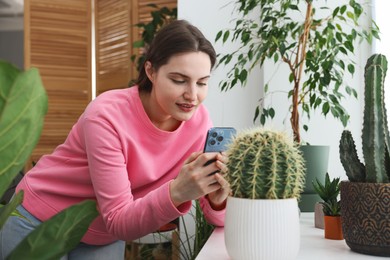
(264, 164)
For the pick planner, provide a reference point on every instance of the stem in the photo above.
(300, 61)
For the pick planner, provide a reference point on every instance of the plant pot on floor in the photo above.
(332, 227)
(262, 229)
(365, 211)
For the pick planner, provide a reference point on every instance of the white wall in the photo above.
(236, 107)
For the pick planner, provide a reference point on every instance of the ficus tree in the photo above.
(318, 50)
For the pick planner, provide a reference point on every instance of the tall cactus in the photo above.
(264, 164)
(375, 135)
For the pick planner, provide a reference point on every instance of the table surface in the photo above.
(313, 245)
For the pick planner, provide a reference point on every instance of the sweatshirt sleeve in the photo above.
(124, 216)
(213, 217)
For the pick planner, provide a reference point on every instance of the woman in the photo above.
(136, 151)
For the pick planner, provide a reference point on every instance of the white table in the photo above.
(313, 245)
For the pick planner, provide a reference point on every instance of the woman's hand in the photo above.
(195, 180)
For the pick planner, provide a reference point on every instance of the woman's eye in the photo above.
(202, 84)
(178, 81)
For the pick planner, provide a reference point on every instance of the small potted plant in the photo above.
(365, 197)
(329, 193)
(265, 171)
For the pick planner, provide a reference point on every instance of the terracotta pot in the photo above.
(332, 227)
(365, 211)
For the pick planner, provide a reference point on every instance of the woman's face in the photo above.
(179, 87)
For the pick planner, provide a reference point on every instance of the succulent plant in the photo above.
(375, 134)
(329, 192)
(264, 164)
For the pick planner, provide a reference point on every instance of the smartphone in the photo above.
(217, 140)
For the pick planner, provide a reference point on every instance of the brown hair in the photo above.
(177, 37)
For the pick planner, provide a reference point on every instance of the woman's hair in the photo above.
(177, 37)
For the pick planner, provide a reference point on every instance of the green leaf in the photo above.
(23, 105)
(271, 112)
(262, 119)
(257, 112)
(291, 77)
(349, 46)
(325, 108)
(226, 36)
(343, 9)
(219, 34)
(335, 11)
(351, 15)
(351, 68)
(58, 235)
(243, 76)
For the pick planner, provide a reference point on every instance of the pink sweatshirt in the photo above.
(116, 156)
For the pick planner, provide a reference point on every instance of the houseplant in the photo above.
(265, 171)
(160, 17)
(365, 197)
(329, 193)
(23, 105)
(314, 43)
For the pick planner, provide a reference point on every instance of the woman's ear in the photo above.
(149, 70)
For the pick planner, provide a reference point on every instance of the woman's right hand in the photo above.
(195, 180)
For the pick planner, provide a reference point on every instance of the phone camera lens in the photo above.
(214, 134)
(220, 138)
(212, 142)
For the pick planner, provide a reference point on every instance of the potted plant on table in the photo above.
(265, 171)
(23, 105)
(315, 43)
(365, 197)
(329, 193)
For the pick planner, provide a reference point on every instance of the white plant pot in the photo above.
(262, 229)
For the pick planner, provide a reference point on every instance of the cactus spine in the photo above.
(375, 134)
(264, 164)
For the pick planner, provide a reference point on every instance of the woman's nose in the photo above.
(190, 93)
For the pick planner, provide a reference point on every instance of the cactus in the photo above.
(355, 170)
(375, 134)
(264, 164)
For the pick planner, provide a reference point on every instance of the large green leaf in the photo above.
(23, 105)
(58, 235)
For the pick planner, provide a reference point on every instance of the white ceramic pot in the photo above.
(262, 229)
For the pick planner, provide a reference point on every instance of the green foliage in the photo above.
(375, 134)
(160, 17)
(58, 235)
(23, 105)
(329, 192)
(316, 47)
(264, 164)
(191, 245)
